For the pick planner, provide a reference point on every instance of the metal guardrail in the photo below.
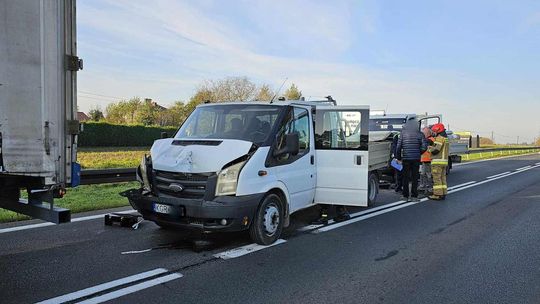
(473, 151)
(103, 176)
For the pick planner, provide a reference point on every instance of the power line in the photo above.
(100, 95)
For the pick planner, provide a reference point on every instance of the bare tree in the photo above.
(229, 89)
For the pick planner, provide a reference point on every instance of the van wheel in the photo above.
(373, 188)
(268, 223)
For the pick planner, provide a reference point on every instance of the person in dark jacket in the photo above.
(411, 144)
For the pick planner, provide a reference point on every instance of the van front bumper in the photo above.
(223, 213)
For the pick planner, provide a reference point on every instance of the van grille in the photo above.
(193, 184)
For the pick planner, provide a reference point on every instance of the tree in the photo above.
(228, 89)
(96, 114)
(265, 93)
(174, 115)
(293, 93)
(147, 113)
(537, 142)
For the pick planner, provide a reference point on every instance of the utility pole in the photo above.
(492, 138)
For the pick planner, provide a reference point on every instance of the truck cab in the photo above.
(249, 166)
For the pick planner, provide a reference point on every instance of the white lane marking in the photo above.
(311, 227)
(131, 289)
(497, 175)
(490, 180)
(461, 185)
(523, 168)
(102, 287)
(136, 251)
(24, 227)
(77, 219)
(361, 218)
(247, 249)
(490, 159)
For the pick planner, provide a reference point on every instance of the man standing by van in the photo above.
(411, 145)
(439, 162)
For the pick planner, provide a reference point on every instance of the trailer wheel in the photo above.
(10, 194)
(268, 222)
(373, 188)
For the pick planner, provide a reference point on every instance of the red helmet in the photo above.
(438, 128)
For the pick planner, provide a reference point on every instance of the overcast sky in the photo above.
(476, 62)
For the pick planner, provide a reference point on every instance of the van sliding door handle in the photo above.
(313, 159)
(358, 159)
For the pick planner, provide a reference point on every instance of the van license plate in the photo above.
(161, 208)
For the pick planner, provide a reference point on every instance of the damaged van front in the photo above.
(192, 180)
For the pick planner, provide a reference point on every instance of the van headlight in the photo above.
(228, 179)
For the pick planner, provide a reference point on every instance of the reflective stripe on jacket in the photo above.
(426, 157)
(439, 151)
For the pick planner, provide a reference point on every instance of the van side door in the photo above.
(297, 172)
(342, 158)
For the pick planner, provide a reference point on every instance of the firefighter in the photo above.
(439, 162)
(426, 179)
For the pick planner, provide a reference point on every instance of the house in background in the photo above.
(82, 117)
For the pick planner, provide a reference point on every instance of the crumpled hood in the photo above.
(168, 155)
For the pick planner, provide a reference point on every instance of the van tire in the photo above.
(267, 225)
(373, 188)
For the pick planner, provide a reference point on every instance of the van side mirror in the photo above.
(292, 145)
(164, 135)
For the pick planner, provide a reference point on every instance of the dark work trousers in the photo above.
(411, 174)
(398, 176)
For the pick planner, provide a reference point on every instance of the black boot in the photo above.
(323, 218)
(342, 214)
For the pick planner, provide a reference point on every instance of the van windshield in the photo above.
(247, 122)
(386, 124)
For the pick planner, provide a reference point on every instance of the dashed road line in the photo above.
(497, 175)
(105, 286)
(462, 185)
(523, 168)
(131, 289)
(243, 250)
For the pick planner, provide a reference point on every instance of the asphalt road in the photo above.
(480, 245)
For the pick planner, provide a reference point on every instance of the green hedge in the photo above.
(99, 134)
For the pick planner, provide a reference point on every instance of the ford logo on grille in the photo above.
(176, 187)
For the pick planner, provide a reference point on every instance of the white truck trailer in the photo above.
(249, 166)
(38, 105)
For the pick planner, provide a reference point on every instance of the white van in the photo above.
(250, 165)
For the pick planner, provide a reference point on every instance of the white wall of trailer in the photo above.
(37, 92)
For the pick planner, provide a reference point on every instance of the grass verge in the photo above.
(109, 158)
(83, 198)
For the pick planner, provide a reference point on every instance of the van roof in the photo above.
(280, 103)
(275, 103)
